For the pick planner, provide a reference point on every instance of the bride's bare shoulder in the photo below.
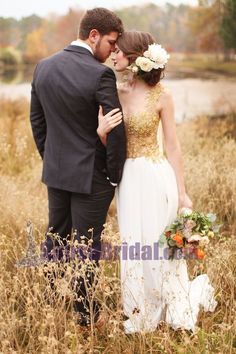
(166, 95)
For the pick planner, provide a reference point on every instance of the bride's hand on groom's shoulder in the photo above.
(185, 202)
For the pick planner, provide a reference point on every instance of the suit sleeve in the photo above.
(107, 97)
(37, 120)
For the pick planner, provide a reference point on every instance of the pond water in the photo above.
(192, 96)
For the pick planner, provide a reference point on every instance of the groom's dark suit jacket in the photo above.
(67, 90)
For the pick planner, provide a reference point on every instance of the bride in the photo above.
(150, 194)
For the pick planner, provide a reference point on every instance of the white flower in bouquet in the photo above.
(211, 217)
(185, 211)
(195, 238)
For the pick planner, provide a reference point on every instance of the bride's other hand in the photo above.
(108, 122)
(185, 202)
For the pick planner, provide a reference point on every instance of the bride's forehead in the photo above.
(117, 48)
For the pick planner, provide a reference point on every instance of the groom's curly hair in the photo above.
(101, 19)
(133, 44)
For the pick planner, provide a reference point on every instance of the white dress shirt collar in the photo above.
(82, 44)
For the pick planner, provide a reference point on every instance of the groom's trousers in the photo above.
(85, 215)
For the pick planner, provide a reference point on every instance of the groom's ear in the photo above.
(94, 36)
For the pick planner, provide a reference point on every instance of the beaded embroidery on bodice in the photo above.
(141, 129)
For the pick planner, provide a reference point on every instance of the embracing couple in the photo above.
(94, 138)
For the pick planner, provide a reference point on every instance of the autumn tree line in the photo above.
(209, 27)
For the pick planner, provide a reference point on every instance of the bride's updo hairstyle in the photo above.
(133, 44)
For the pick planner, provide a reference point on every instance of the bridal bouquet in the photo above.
(190, 233)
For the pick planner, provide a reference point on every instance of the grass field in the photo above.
(32, 320)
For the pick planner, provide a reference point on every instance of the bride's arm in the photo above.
(172, 146)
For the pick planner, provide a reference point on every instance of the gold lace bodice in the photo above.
(141, 129)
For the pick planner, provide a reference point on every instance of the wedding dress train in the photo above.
(153, 287)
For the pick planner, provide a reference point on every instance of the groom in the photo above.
(80, 173)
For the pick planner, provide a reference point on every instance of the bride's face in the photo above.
(119, 60)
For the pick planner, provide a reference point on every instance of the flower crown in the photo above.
(154, 58)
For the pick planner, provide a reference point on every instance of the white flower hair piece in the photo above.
(154, 58)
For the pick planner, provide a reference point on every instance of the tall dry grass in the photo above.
(33, 319)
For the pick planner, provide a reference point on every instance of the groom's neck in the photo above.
(86, 41)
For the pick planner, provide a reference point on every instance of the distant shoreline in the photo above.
(177, 70)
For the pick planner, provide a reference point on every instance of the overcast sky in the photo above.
(21, 8)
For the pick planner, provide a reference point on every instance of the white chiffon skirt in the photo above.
(153, 287)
